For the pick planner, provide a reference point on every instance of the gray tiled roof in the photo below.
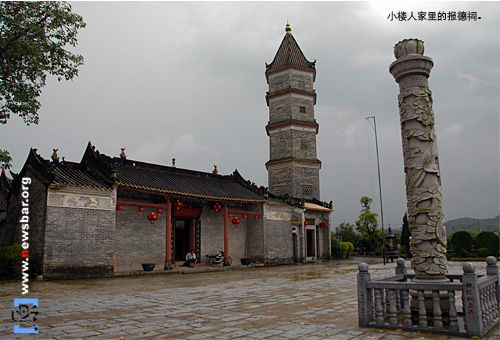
(185, 182)
(70, 176)
(289, 54)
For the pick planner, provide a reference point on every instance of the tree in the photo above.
(405, 236)
(32, 40)
(367, 224)
(5, 159)
(345, 231)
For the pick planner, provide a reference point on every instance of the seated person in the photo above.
(190, 258)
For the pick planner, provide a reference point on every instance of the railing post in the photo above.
(471, 300)
(492, 270)
(401, 268)
(365, 298)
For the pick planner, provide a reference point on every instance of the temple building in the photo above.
(105, 214)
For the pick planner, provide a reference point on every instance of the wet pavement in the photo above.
(305, 301)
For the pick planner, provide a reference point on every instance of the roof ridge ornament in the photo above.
(288, 29)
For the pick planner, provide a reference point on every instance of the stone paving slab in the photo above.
(307, 301)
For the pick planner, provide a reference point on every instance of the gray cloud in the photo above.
(186, 80)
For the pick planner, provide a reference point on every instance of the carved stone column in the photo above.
(423, 183)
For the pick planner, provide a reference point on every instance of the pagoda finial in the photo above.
(288, 29)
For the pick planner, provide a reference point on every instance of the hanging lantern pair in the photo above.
(178, 204)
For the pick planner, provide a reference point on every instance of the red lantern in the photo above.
(178, 205)
(306, 223)
(217, 207)
(159, 211)
(152, 217)
(119, 208)
(256, 217)
(141, 210)
(244, 217)
(236, 221)
(323, 224)
(229, 216)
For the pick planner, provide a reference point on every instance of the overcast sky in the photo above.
(186, 80)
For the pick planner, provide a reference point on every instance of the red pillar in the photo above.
(168, 236)
(226, 234)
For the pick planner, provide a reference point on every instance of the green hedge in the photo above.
(470, 259)
(11, 261)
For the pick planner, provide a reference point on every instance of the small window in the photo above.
(280, 190)
(302, 109)
(304, 145)
(306, 190)
(280, 145)
(301, 84)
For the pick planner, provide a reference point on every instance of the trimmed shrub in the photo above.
(336, 250)
(350, 249)
(484, 252)
(488, 240)
(464, 253)
(461, 240)
(344, 248)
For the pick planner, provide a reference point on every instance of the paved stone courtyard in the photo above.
(307, 301)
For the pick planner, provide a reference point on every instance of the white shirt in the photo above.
(190, 256)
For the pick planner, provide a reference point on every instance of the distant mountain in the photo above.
(473, 224)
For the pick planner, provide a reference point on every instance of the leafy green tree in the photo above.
(405, 236)
(32, 40)
(5, 159)
(345, 231)
(367, 224)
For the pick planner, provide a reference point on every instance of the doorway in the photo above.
(186, 237)
(181, 243)
(310, 245)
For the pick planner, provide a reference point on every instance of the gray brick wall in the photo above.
(212, 233)
(278, 237)
(78, 242)
(293, 178)
(137, 241)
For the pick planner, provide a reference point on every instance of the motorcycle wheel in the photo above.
(213, 261)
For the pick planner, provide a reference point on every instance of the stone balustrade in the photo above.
(466, 306)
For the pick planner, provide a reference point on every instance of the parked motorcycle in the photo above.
(218, 259)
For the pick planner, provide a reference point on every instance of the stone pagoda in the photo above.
(293, 167)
